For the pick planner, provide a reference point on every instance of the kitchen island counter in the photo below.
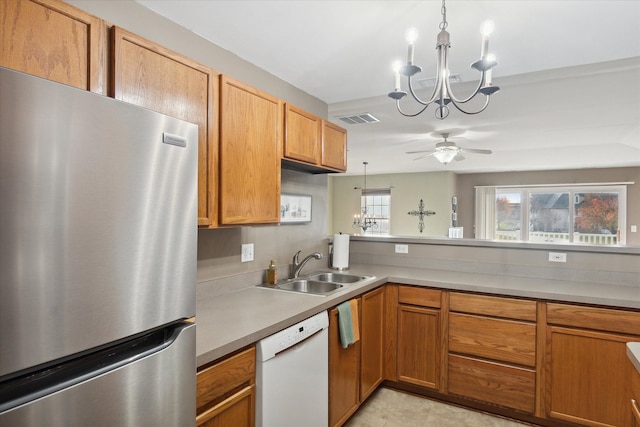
(230, 321)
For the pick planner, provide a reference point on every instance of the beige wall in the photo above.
(436, 188)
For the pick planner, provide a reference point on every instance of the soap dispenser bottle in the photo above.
(272, 273)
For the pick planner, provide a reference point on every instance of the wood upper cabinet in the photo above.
(250, 148)
(303, 135)
(156, 78)
(344, 374)
(419, 336)
(56, 41)
(314, 144)
(492, 350)
(587, 370)
(225, 392)
(334, 146)
(372, 337)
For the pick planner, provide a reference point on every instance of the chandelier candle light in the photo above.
(442, 94)
(364, 221)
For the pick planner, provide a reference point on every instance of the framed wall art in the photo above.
(295, 208)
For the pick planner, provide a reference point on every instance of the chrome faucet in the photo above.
(297, 266)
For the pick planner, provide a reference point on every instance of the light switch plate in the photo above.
(247, 252)
(402, 249)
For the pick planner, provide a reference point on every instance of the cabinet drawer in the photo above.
(504, 340)
(419, 296)
(493, 383)
(511, 308)
(219, 379)
(602, 319)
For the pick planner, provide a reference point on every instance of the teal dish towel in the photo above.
(345, 324)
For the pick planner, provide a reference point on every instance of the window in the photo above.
(377, 205)
(592, 215)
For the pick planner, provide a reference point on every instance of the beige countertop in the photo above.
(233, 320)
(633, 352)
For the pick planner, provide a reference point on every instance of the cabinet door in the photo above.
(419, 346)
(250, 144)
(334, 146)
(372, 332)
(53, 40)
(344, 374)
(587, 374)
(303, 132)
(153, 77)
(238, 411)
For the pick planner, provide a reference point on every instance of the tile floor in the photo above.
(390, 408)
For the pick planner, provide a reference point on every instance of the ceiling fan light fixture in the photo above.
(445, 156)
(442, 95)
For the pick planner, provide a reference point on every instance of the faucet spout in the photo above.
(297, 265)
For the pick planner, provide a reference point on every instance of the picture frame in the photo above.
(295, 208)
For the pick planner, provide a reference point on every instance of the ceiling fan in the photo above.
(445, 151)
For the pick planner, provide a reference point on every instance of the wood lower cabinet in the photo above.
(418, 336)
(587, 370)
(344, 374)
(634, 402)
(372, 338)
(153, 77)
(250, 147)
(55, 41)
(225, 393)
(492, 350)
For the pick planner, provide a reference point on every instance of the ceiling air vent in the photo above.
(359, 119)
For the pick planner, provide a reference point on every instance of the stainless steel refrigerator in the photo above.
(98, 230)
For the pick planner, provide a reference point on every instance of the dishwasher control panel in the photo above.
(280, 341)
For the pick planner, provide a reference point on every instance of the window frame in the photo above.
(385, 192)
(525, 208)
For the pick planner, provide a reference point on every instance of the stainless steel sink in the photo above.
(319, 283)
(306, 286)
(337, 277)
(309, 286)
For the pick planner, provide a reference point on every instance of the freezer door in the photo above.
(98, 220)
(155, 390)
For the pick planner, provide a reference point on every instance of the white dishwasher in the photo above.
(292, 375)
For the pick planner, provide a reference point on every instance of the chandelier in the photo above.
(442, 95)
(364, 221)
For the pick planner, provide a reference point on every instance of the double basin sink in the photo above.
(318, 283)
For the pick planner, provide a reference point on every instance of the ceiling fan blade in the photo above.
(459, 157)
(476, 150)
(425, 155)
(421, 151)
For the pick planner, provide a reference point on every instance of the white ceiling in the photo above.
(569, 73)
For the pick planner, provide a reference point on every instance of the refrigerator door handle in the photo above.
(55, 377)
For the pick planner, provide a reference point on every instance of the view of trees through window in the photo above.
(565, 215)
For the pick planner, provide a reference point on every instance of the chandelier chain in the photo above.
(444, 23)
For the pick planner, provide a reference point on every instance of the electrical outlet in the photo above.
(247, 252)
(402, 249)
(557, 257)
